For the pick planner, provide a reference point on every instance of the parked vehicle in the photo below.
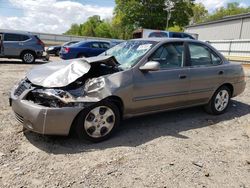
(92, 95)
(55, 50)
(84, 49)
(21, 45)
(149, 33)
(115, 42)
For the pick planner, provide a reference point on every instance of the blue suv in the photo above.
(84, 49)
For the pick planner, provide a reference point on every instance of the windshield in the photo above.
(130, 52)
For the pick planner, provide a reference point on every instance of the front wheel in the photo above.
(28, 57)
(98, 122)
(219, 102)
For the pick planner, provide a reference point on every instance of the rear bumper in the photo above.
(42, 55)
(43, 120)
(239, 88)
(64, 56)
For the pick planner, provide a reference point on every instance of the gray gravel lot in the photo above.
(185, 148)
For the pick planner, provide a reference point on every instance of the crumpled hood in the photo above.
(60, 74)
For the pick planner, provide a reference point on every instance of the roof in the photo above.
(14, 31)
(159, 39)
(224, 19)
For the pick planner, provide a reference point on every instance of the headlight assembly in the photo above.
(94, 85)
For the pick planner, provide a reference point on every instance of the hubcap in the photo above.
(99, 121)
(221, 100)
(28, 58)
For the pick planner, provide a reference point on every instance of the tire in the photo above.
(81, 56)
(219, 102)
(98, 122)
(28, 57)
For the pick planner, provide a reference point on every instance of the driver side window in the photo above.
(169, 55)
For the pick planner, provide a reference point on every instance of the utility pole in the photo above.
(169, 8)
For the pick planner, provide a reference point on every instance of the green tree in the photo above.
(175, 28)
(182, 13)
(231, 9)
(74, 30)
(200, 13)
(88, 28)
(104, 30)
(151, 14)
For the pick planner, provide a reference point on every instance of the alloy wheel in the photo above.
(99, 121)
(221, 100)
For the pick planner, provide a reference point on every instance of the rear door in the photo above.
(206, 72)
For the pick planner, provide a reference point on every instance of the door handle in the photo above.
(221, 72)
(182, 76)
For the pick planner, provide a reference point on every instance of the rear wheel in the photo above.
(28, 57)
(98, 122)
(219, 102)
(81, 56)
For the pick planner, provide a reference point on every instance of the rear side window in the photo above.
(187, 36)
(177, 35)
(104, 45)
(15, 37)
(201, 55)
(94, 45)
(158, 34)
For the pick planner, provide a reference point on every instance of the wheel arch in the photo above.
(118, 102)
(81, 54)
(28, 50)
(229, 86)
(115, 99)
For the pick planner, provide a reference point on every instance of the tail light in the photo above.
(39, 42)
(66, 49)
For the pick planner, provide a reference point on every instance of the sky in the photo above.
(56, 16)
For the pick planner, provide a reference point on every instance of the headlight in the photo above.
(50, 48)
(94, 85)
(51, 94)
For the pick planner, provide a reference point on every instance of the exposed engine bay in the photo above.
(68, 84)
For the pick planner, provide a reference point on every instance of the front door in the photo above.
(206, 73)
(166, 88)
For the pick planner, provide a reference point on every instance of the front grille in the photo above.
(22, 87)
(19, 117)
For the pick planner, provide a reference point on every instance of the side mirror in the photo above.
(150, 66)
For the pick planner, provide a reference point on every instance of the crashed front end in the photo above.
(47, 103)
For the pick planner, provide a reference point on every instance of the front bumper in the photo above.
(40, 119)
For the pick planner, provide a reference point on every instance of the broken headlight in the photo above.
(51, 97)
(94, 85)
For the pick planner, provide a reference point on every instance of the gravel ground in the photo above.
(185, 148)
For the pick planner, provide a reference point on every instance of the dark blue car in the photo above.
(84, 49)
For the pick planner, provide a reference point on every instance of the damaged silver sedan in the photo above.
(92, 95)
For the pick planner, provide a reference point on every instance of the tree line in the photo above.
(172, 15)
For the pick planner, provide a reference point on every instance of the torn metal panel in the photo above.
(60, 74)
